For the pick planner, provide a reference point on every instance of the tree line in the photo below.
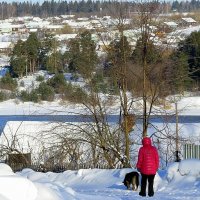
(83, 7)
(186, 6)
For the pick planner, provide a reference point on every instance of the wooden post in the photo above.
(177, 158)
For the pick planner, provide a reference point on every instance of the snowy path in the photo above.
(99, 184)
(117, 194)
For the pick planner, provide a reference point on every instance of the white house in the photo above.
(5, 47)
(53, 28)
(5, 28)
(188, 21)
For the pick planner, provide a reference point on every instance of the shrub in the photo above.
(3, 96)
(58, 82)
(67, 91)
(40, 78)
(8, 83)
(24, 96)
(79, 95)
(45, 92)
(33, 96)
(74, 94)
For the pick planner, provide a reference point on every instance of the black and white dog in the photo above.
(132, 178)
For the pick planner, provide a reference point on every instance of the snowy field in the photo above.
(187, 105)
(179, 181)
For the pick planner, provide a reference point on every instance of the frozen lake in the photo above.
(88, 118)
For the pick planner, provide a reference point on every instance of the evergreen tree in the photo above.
(153, 53)
(32, 49)
(54, 62)
(46, 48)
(72, 55)
(18, 59)
(119, 53)
(82, 56)
(58, 82)
(191, 48)
(8, 83)
(175, 5)
(87, 57)
(53, 58)
(46, 92)
(178, 74)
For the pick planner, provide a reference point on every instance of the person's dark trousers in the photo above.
(150, 179)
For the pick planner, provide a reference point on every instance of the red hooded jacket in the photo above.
(148, 160)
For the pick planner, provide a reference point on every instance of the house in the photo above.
(169, 26)
(4, 61)
(67, 16)
(53, 28)
(5, 28)
(187, 21)
(18, 28)
(83, 19)
(32, 26)
(6, 48)
(56, 19)
(65, 37)
(76, 25)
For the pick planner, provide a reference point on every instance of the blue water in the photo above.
(54, 118)
(87, 118)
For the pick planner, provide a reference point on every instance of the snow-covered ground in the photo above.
(179, 181)
(187, 105)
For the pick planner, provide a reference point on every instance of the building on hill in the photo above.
(6, 48)
(169, 26)
(187, 21)
(53, 28)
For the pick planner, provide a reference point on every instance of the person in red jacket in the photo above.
(147, 165)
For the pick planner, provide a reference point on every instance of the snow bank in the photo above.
(98, 184)
(186, 169)
(190, 167)
(5, 170)
(15, 187)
